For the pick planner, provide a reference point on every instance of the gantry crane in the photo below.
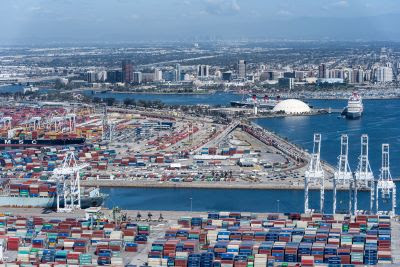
(385, 185)
(343, 175)
(314, 175)
(68, 183)
(364, 178)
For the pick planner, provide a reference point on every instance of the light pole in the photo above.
(278, 204)
(191, 204)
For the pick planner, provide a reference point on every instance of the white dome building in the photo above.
(292, 106)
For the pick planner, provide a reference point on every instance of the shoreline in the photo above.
(235, 93)
(150, 93)
(191, 185)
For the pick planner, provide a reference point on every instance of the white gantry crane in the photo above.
(5, 122)
(34, 122)
(63, 123)
(343, 176)
(107, 126)
(71, 120)
(314, 175)
(385, 185)
(364, 177)
(68, 183)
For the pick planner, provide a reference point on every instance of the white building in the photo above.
(157, 75)
(292, 106)
(137, 77)
(102, 76)
(242, 69)
(384, 75)
(178, 72)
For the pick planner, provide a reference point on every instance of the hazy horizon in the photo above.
(58, 21)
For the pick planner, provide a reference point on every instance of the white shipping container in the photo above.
(182, 254)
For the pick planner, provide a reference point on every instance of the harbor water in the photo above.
(379, 122)
(226, 200)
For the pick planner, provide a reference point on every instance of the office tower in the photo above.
(101, 76)
(178, 72)
(286, 82)
(169, 75)
(157, 75)
(360, 76)
(227, 76)
(299, 75)
(147, 77)
(322, 71)
(137, 77)
(242, 69)
(127, 71)
(203, 70)
(114, 76)
(384, 74)
(91, 76)
(289, 74)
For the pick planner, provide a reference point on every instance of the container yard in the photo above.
(112, 237)
(128, 147)
(55, 156)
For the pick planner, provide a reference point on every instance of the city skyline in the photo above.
(68, 21)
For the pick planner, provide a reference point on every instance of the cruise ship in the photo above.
(354, 107)
(264, 102)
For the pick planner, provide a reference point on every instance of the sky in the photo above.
(115, 21)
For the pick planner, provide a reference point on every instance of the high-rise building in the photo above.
(337, 73)
(357, 76)
(178, 72)
(137, 77)
(286, 82)
(157, 75)
(242, 69)
(127, 71)
(147, 77)
(114, 76)
(169, 75)
(203, 70)
(384, 74)
(289, 74)
(91, 76)
(322, 71)
(227, 76)
(101, 76)
(299, 75)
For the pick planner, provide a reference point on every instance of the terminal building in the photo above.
(292, 107)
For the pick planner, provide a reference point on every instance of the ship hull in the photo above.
(40, 142)
(239, 104)
(47, 202)
(251, 105)
(353, 115)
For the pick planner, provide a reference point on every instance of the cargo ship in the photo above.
(354, 108)
(4, 142)
(265, 102)
(43, 195)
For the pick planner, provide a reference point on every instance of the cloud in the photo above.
(221, 7)
(134, 16)
(284, 12)
(35, 8)
(337, 4)
(341, 3)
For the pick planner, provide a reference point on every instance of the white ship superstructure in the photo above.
(355, 107)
